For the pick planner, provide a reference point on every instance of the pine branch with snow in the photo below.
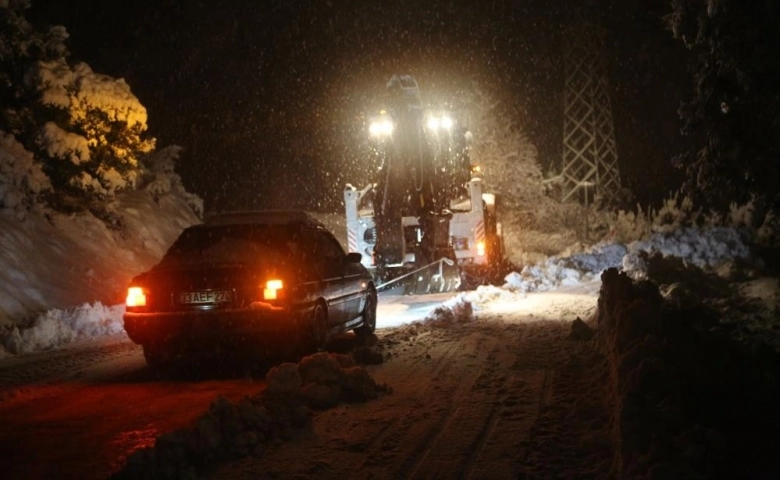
(160, 179)
(22, 180)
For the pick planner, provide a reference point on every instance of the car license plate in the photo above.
(214, 296)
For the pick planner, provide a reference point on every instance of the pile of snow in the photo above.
(57, 327)
(228, 431)
(705, 248)
(450, 313)
(690, 399)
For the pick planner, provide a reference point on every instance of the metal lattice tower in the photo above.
(589, 151)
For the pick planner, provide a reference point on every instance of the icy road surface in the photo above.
(505, 394)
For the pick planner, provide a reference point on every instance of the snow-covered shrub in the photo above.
(627, 227)
(768, 233)
(675, 212)
(160, 179)
(500, 146)
(22, 180)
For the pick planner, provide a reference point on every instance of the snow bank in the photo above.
(50, 262)
(708, 248)
(57, 328)
(279, 413)
(690, 400)
(54, 261)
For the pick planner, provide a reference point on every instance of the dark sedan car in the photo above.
(269, 281)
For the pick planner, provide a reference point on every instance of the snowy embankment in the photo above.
(55, 260)
(691, 397)
(712, 249)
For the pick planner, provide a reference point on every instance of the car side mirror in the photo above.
(354, 257)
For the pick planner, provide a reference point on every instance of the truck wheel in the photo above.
(369, 317)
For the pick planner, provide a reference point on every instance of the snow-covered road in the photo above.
(470, 396)
(78, 413)
(498, 395)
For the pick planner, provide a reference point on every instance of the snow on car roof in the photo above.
(262, 217)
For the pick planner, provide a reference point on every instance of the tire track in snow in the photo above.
(489, 398)
(52, 366)
(455, 441)
(433, 392)
(425, 434)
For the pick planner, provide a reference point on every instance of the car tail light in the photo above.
(481, 249)
(272, 289)
(136, 297)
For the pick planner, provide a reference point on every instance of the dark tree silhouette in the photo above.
(734, 111)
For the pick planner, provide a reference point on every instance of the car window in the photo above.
(327, 247)
(230, 244)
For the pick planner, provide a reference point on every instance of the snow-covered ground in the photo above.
(520, 336)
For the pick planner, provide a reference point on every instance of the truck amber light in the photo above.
(136, 297)
(481, 249)
(271, 291)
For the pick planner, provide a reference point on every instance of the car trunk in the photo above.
(205, 287)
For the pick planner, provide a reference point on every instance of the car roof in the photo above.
(263, 217)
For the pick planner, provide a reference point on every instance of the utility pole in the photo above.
(589, 149)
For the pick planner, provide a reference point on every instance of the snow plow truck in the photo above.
(425, 223)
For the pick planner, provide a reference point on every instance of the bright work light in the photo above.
(443, 122)
(381, 126)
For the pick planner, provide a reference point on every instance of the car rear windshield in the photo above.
(233, 244)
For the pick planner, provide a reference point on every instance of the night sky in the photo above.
(268, 98)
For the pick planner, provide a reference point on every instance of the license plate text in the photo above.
(220, 296)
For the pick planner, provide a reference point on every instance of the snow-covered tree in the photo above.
(734, 109)
(22, 180)
(21, 46)
(504, 153)
(97, 136)
(161, 178)
(86, 129)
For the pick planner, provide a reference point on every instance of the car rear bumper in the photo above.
(209, 326)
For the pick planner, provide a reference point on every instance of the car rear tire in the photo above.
(318, 329)
(369, 317)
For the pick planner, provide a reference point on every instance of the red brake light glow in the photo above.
(136, 297)
(271, 291)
